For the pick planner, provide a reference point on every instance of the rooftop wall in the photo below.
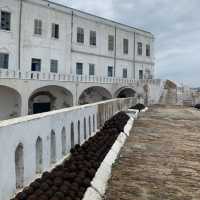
(57, 132)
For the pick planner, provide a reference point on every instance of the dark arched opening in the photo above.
(53, 147)
(10, 103)
(90, 128)
(49, 98)
(94, 124)
(94, 94)
(39, 160)
(125, 93)
(19, 166)
(72, 135)
(85, 130)
(64, 141)
(79, 132)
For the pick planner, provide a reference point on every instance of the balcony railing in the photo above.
(13, 74)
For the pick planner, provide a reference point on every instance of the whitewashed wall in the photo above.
(155, 91)
(26, 130)
(10, 103)
(9, 39)
(45, 47)
(66, 49)
(121, 64)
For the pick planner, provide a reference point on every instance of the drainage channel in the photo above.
(84, 175)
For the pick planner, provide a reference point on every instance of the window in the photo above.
(140, 74)
(148, 50)
(54, 66)
(147, 74)
(80, 35)
(36, 64)
(91, 69)
(5, 20)
(4, 60)
(93, 38)
(125, 45)
(139, 49)
(37, 27)
(79, 68)
(55, 31)
(110, 71)
(124, 73)
(110, 42)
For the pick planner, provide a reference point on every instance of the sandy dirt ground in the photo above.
(161, 158)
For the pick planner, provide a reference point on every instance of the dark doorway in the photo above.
(121, 96)
(41, 107)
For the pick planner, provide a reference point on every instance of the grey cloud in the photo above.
(175, 25)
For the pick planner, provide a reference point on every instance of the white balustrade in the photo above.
(15, 74)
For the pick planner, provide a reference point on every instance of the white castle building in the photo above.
(53, 56)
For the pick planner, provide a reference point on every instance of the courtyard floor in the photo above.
(161, 158)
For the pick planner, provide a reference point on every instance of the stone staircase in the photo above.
(169, 94)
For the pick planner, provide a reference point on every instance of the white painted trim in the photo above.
(145, 109)
(99, 182)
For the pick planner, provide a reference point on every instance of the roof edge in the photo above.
(102, 18)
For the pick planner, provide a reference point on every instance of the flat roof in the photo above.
(102, 18)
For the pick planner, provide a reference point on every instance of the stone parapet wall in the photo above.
(56, 131)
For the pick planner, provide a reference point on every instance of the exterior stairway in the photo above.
(169, 94)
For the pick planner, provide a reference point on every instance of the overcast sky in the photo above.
(175, 24)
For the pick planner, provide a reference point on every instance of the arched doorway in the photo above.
(94, 94)
(10, 103)
(125, 93)
(19, 166)
(49, 98)
(39, 155)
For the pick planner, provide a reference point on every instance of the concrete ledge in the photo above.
(145, 109)
(128, 126)
(135, 113)
(196, 109)
(103, 174)
(116, 147)
(91, 194)
(121, 138)
(99, 183)
(110, 158)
